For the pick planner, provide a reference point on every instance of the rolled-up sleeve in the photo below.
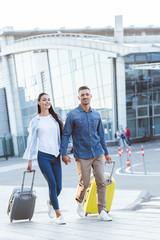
(67, 131)
(102, 137)
(31, 149)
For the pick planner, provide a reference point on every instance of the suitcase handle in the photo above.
(111, 174)
(24, 173)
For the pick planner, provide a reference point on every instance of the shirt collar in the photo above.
(82, 110)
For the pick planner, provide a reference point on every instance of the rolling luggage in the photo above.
(22, 201)
(90, 200)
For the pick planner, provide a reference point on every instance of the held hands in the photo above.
(66, 159)
(29, 165)
(108, 159)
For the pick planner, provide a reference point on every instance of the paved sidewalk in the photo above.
(126, 224)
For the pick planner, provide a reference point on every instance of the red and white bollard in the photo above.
(120, 158)
(143, 160)
(130, 159)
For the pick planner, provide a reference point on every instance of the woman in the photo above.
(44, 138)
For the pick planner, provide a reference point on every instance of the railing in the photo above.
(70, 35)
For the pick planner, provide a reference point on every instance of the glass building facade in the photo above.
(120, 66)
(143, 94)
(60, 73)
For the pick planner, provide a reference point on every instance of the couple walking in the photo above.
(48, 139)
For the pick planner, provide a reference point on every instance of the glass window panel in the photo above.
(67, 84)
(106, 73)
(69, 101)
(59, 102)
(79, 79)
(75, 54)
(155, 57)
(107, 91)
(156, 110)
(63, 56)
(57, 88)
(143, 111)
(78, 63)
(142, 99)
(156, 97)
(140, 57)
(88, 60)
(142, 127)
(55, 72)
(95, 104)
(156, 125)
(156, 84)
(131, 124)
(90, 77)
(130, 87)
(129, 58)
(95, 93)
(129, 100)
(108, 102)
(53, 58)
(65, 68)
(131, 113)
(141, 87)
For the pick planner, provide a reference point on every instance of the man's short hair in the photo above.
(83, 88)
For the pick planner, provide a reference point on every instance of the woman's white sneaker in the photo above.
(50, 210)
(103, 216)
(60, 220)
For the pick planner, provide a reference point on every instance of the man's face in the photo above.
(85, 97)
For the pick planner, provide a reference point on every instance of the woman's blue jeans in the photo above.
(50, 167)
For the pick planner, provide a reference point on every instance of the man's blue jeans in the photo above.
(50, 167)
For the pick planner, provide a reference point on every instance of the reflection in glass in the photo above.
(131, 124)
(142, 111)
(156, 97)
(156, 125)
(157, 110)
(131, 113)
(143, 127)
(143, 99)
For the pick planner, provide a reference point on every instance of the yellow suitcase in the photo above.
(90, 202)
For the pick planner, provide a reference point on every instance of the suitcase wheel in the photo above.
(11, 220)
(86, 214)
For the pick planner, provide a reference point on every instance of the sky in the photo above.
(55, 14)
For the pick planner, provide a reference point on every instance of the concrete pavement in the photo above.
(127, 224)
(135, 212)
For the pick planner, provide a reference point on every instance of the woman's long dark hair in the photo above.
(52, 112)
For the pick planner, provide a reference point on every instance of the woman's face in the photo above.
(45, 102)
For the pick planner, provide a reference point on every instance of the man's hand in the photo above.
(66, 159)
(108, 159)
(29, 165)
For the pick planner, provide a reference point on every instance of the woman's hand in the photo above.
(29, 165)
(66, 159)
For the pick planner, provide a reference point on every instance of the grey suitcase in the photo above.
(22, 201)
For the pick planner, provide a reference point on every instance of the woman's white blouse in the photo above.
(44, 135)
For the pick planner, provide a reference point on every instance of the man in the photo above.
(128, 134)
(90, 150)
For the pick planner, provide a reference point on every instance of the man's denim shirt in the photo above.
(87, 133)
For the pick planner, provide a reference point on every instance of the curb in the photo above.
(144, 196)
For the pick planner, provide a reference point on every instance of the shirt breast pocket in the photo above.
(81, 123)
(95, 122)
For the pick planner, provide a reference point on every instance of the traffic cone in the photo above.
(128, 162)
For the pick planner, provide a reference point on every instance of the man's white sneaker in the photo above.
(103, 216)
(50, 210)
(80, 210)
(60, 220)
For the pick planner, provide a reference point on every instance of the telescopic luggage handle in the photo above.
(111, 173)
(24, 173)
